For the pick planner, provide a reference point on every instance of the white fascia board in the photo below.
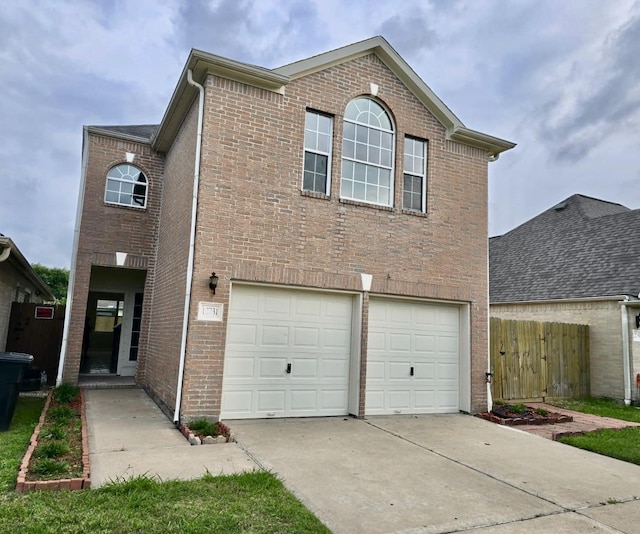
(117, 135)
(202, 64)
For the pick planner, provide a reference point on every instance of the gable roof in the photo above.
(580, 248)
(11, 254)
(202, 63)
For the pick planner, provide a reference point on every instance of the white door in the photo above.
(413, 358)
(287, 353)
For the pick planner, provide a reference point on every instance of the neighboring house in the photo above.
(342, 207)
(577, 262)
(18, 283)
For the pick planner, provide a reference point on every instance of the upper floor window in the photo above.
(367, 153)
(415, 183)
(318, 131)
(126, 186)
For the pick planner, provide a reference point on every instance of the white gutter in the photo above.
(4, 255)
(72, 269)
(626, 363)
(192, 242)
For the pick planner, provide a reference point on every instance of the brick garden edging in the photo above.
(23, 485)
(195, 440)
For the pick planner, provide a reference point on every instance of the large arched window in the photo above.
(367, 153)
(126, 186)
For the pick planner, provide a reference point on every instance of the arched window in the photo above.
(367, 153)
(126, 186)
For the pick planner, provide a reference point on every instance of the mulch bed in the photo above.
(506, 415)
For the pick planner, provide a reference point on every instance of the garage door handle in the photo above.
(411, 372)
(288, 368)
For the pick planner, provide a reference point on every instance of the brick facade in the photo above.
(254, 224)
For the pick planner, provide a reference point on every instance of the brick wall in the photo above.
(170, 276)
(255, 224)
(107, 229)
(603, 318)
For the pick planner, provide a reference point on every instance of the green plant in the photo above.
(50, 467)
(498, 402)
(51, 449)
(519, 408)
(61, 414)
(542, 412)
(65, 393)
(204, 427)
(53, 432)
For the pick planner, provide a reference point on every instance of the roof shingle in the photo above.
(582, 247)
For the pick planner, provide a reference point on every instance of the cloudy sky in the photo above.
(560, 78)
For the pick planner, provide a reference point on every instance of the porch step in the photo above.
(106, 381)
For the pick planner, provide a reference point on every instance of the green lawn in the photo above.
(621, 444)
(249, 502)
(602, 407)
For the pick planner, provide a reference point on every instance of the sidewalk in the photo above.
(129, 436)
(582, 422)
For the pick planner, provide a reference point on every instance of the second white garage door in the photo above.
(287, 353)
(413, 358)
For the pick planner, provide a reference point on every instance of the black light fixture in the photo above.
(638, 321)
(213, 282)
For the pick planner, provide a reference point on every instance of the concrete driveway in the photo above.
(442, 473)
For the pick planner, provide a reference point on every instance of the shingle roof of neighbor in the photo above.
(144, 131)
(582, 247)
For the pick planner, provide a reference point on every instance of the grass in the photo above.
(603, 407)
(14, 442)
(616, 443)
(255, 502)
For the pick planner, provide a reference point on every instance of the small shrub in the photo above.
(207, 428)
(204, 427)
(519, 408)
(498, 403)
(542, 412)
(61, 414)
(65, 393)
(52, 449)
(53, 432)
(49, 467)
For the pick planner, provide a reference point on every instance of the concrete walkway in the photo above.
(130, 436)
(407, 474)
(582, 422)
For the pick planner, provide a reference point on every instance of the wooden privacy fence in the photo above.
(536, 361)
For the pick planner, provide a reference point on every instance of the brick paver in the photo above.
(582, 422)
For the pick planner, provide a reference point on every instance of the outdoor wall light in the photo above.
(638, 321)
(213, 282)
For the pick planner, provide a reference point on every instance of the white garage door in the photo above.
(287, 353)
(412, 358)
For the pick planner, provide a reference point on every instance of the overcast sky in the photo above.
(560, 78)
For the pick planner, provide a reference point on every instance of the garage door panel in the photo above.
(271, 400)
(410, 334)
(424, 343)
(271, 367)
(400, 342)
(276, 327)
(275, 336)
(242, 334)
(306, 336)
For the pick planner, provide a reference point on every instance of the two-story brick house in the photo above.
(343, 209)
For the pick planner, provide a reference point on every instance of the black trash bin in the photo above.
(12, 367)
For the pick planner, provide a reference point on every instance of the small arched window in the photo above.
(126, 186)
(367, 153)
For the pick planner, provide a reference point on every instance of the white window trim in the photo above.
(423, 202)
(328, 154)
(146, 192)
(393, 157)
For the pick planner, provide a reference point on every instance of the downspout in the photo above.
(72, 269)
(192, 242)
(626, 363)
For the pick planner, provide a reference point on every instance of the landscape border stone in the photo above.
(23, 485)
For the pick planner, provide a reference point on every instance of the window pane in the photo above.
(359, 189)
(324, 141)
(112, 196)
(324, 124)
(347, 169)
(348, 149)
(386, 140)
(385, 177)
(361, 152)
(307, 182)
(346, 188)
(349, 130)
(360, 172)
(310, 139)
